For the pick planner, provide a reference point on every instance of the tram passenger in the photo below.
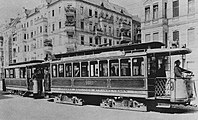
(113, 72)
(161, 71)
(178, 70)
(46, 80)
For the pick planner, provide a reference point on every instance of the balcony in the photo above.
(125, 37)
(99, 32)
(40, 20)
(106, 20)
(125, 26)
(70, 11)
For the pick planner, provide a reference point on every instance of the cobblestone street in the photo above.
(13, 107)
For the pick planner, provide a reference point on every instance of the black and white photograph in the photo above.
(98, 59)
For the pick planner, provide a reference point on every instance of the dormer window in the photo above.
(122, 11)
(102, 4)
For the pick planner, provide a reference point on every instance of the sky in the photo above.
(10, 8)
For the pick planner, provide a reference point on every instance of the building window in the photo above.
(110, 42)
(96, 14)
(105, 29)
(25, 48)
(59, 24)
(96, 40)
(82, 40)
(175, 39)
(59, 10)
(110, 31)
(81, 10)
(90, 12)
(32, 34)
(105, 40)
(82, 25)
(40, 29)
(156, 36)
(191, 38)
(90, 41)
(27, 24)
(52, 13)
(191, 6)
(147, 13)
(166, 39)
(165, 10)
(53, 27)
(31, 22)
(118, 32)
(147, 37)
(155, 11)
(46, 28)
(25, 36)
(176, 8)
(90, 26)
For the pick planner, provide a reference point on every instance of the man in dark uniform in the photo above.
(178, 70)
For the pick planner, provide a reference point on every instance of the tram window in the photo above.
(61, 70)
(94, 68)
(152, 66)
(17, 72)
(125, 65)
(137, 67)
(12, 73)
(22, 73)
(103, 68)
(32, 71)
(114, 68)
(54, 70)
(76, 70)
(84, 69)
(7, 74)
(68, 70)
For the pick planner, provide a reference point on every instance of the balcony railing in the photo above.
(99, 32)
(110, 21)
(125, 26)
(42, 19)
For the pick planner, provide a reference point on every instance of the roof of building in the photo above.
(104, 3)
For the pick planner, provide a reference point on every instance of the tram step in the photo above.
(163, 105)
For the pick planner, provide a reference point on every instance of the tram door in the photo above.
(156, 75)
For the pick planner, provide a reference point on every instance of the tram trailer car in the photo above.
(119, 77)
(18, 77)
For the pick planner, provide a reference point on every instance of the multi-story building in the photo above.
(61, 26)
(174, 22)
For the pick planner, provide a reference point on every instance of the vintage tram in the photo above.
(131, 76)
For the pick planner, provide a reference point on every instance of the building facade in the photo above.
(60, 26)
(175, 23)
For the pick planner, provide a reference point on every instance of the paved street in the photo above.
(13, 107)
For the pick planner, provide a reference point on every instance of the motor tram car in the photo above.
(133, 77)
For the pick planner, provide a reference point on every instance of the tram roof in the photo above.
(23, 64)
(175, 51)
(122, 47)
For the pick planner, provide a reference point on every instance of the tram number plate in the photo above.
(88, 83)
(171, 86)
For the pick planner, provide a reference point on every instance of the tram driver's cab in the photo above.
(161, 80)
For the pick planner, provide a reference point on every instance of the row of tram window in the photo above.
(15, 72)
(100, 68)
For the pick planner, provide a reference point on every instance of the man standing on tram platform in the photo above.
(178, 70)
